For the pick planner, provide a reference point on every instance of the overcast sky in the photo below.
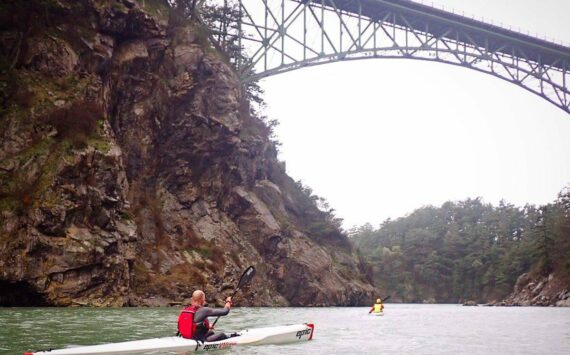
(380, 138)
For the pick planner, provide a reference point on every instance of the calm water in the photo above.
(405, 329)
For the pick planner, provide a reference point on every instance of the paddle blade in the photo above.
(246, 278)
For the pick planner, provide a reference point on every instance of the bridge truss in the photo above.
(283, 35)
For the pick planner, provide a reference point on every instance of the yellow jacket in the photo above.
(377, 308)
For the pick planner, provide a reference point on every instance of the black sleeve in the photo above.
(206, 312)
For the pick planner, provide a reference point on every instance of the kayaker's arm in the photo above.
(206, 312)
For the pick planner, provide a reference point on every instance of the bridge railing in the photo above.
(490, 21)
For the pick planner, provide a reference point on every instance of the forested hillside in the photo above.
(467, 250)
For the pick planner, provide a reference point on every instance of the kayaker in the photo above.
(377, 307)
(193, 320)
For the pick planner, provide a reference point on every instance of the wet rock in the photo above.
(129, 3)
(538, 291)
(7, 165)
(129, 51)
(563, 303)
(188, 57)
(50, 55)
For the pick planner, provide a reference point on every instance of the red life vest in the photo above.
(186, 326)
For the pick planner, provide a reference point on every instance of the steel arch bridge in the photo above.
(283, 35)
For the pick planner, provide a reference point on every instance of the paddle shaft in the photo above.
(245, 278)
(216, 321)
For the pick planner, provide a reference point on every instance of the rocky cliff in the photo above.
(551, 290)
(132, 172)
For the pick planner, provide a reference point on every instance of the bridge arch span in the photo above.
(354, 56)
(284, 35)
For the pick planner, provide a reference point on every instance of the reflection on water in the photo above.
(405, 329)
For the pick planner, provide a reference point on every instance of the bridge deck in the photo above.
(436, 22)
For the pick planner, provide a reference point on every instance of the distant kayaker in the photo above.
(193, 320)
(377, 307)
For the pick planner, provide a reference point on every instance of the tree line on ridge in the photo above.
(467, 250)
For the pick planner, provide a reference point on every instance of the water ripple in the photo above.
(405, 329)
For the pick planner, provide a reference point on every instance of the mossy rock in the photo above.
(157, 8)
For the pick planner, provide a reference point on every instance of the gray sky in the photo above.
(380, 138)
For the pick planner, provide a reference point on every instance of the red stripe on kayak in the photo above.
(28, 353)
(312, 326)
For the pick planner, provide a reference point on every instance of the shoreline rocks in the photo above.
(543, 291)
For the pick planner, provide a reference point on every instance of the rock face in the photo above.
(132, 173)
(539, 291)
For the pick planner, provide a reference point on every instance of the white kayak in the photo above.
(259, 336)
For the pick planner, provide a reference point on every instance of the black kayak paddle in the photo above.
(245, 279)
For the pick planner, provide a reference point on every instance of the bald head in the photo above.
(198, 297)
